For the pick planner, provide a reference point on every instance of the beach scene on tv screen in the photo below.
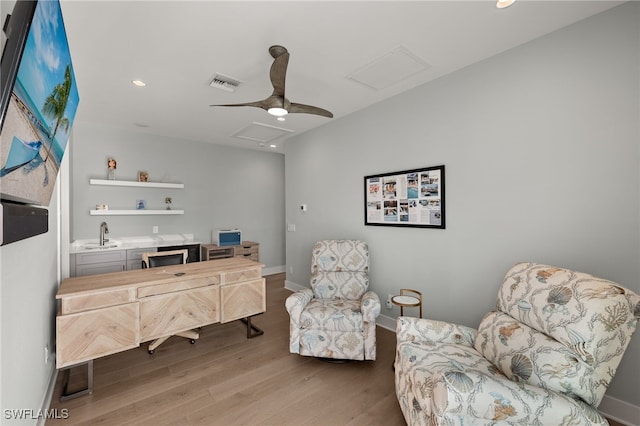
(40, 113)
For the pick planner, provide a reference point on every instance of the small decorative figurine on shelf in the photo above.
(143, 176)
(168, 201)
(112, 165)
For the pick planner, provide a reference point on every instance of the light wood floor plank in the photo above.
(227, 379)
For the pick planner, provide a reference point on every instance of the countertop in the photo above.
(126, 243)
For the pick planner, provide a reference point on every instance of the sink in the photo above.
(96, 246)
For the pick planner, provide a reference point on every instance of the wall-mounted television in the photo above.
(39, 101)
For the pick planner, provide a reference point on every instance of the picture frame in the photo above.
(143, 176)
(409, 198)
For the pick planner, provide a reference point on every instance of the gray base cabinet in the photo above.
(93, 263)
(101, 262)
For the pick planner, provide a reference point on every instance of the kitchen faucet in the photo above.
(104, 229)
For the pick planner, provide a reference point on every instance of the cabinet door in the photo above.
(92, 334)
(167, 314)
(134, 257)
(242, 300)
(99, 268)
(101, 262)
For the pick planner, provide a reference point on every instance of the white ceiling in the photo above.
(176, 47)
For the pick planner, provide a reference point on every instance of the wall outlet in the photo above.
(46, 354)
(291, 269)
(155, 229)
(389, 304)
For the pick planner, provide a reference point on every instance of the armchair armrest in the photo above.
(470, 397)
(432, 331)
(296, 302)
(370, 306)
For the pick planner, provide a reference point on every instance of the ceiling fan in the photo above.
(277, 104)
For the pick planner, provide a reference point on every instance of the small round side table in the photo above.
(408, 299)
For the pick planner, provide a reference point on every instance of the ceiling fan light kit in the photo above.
(277, 111)
(277, 104)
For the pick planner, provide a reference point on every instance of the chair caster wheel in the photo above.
(151, 351)
(193, 341)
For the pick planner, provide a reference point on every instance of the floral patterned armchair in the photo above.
(336, 318)
(545, 356)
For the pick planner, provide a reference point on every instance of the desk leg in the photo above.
(87, 391)
(257, 331)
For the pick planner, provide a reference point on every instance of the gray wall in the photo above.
(225, 187)
(29, 278)
(28, 283)
(540, 146)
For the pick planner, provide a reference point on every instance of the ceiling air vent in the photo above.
(221, 81)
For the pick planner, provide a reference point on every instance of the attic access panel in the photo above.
(259, 132)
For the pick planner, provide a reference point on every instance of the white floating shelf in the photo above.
(136, 184)
(132, 212)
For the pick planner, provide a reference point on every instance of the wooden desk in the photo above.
(104, 314)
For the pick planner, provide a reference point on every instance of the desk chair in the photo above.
(166, 258)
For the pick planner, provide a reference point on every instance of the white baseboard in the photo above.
(290, 285)
(273, 270)
(46, 403)
(386, 322)
(620, 411)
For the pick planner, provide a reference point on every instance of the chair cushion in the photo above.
(332, 315)
(450, 384)
(342, 285)
(420, 362)
(525, 355)
(591, 317)
(340, 255)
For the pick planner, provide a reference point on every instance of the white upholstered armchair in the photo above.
(336, 318)
(544, 356)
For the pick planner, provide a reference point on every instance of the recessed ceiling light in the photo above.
(273, 145)
(138, 83)
(501, 4)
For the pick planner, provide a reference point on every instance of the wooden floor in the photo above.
(227, 379)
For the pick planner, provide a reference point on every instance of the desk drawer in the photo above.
(172, 313)
(245, 251)
(180, 285)
(244, 275)
(89, 335)
(86, 302)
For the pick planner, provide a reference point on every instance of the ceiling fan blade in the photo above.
(278, 73)
(308, 109)
(259, 104)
